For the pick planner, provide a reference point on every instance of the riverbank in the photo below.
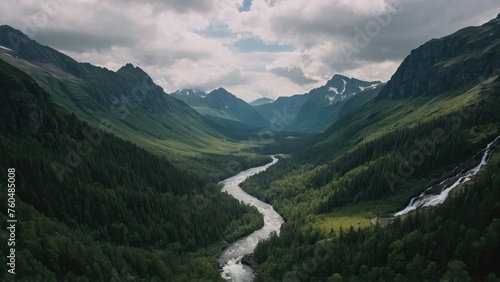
(249, 260)
(231, 259)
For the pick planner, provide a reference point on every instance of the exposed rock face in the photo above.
(448, 63)
(249, 260)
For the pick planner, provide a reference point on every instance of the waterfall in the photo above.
(430, 200)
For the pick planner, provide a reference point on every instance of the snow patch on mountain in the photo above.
(190, 92)
(361, 88)
(331, 98)
(5, 48)
(334, 89)
(345, 83)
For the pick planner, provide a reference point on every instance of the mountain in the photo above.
(192, 97)
(303, 113)
(261, 101)
(221, 107)
(447, 63)
(428, 127)
(126, 102)
(319, 108)
(338, 89)
(221, 99)
(190, 92)
(89, 197)
(114, 179)
(325, 103)
(355, 102)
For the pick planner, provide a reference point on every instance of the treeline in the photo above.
(91, 206)
(338, 171)
(374, 176)
(456, 241)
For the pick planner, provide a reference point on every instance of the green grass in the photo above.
(182, 135)
(326, 223)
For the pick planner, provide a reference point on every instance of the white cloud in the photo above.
(165, 38)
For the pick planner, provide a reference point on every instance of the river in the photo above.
(230, 259)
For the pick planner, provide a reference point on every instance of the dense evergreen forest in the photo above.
(99, 197)
(457, 241)
(337, 190)
(91, 206)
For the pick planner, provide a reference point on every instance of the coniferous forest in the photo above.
(97, 207)
(456, 241)
(105, 177)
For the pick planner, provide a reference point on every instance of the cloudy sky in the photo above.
(253, 48)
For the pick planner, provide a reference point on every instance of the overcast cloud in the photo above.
(253, 48)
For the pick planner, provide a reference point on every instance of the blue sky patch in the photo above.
(246, 6)
(248, 45)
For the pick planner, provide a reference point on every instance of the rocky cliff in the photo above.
(448, 63)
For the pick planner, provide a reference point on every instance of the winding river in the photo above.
(230, 259)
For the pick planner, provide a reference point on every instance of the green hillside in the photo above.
(127, 103)
(117, 181)
(91, 206)
(331, 188)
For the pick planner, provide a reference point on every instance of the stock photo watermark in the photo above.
(34, 22)
(365, 34)
(427, 146)
(11, 220)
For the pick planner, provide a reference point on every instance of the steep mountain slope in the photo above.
(360, 99)
(448, 63)
(222, 107)
(319, 108)
(372, 161)
(127, 101)
(283, 110)
(220, 99)
(91, 206)
(192, 97)
(325, 103)
(306, 113)
(338, 89)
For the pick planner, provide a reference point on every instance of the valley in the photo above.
(352, 180)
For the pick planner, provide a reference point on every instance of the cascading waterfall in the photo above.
(431, 200)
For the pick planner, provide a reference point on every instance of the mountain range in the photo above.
(427, 127)
(126, 102)
(319, 108)
(221, 104)
(117, 180)
(304, 113)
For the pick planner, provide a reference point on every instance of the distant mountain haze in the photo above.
(261, 101)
